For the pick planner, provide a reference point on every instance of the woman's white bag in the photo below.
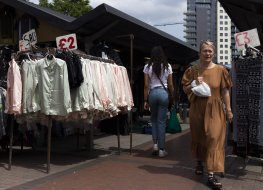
(202, 89)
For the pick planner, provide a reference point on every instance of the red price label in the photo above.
(68, 42)
(249, 37)
(242, 38)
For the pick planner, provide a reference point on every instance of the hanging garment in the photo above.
(14, 89)
(247, 99)
(30, 101)
(3, 116)
(75, 75)
(53, 86)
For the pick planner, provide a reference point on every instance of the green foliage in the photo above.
(75, 8)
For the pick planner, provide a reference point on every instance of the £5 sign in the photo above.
(67, 42)
(29, 38)
(249, 37)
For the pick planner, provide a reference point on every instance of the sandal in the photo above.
(199, 169)
(214, 183)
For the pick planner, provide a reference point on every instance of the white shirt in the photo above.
(154, 80)
(53, 86)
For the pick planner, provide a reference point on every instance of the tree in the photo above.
(75, 8)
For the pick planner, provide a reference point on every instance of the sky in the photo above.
(153, 12)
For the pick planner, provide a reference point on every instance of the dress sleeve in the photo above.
(226, 81)
(187, 77)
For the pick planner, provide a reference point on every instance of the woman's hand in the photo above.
(199, 80)
(229, 116)
(146, 106)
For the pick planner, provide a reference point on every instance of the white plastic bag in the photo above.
(202, 89)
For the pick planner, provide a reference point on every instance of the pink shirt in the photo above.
(14, 89)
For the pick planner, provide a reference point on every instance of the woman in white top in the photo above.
(157, 78)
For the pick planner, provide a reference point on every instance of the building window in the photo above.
(226, 40)
(221, 40)
(226, 57)
(226, 52)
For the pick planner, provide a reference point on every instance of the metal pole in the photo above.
(131, 36)
(11, 142)
(131, 83)
(118, 135)
(49, 143)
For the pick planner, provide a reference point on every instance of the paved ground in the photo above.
(104, 169)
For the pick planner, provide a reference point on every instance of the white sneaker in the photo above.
(155, 147)
(155, 150)
(162, 153)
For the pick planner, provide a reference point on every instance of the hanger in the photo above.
(252, 52)
(50, 53)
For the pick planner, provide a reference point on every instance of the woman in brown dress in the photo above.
(208, 114)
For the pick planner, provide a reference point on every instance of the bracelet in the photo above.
(229, 110)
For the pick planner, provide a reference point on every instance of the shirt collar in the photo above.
(49, 62)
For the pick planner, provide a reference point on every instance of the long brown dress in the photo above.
(207, 117)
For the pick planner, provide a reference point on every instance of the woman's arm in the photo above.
(226, 98)
(187, 89)
(146, 91)
(171, 86)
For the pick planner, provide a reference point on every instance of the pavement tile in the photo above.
(104, 169)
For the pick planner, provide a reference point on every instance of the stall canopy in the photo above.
(246, 14)
(109, 24)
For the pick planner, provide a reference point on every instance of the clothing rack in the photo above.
(49, 125)
(91, 57)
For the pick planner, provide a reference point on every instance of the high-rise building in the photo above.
(207, 19)
(223, 36)
(200, 21)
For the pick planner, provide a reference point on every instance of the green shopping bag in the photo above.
(173, 123)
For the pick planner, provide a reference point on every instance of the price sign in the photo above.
(67, 42)
(29, 38)
(249, 37)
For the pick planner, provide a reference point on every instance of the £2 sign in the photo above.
(249, 37)
(68, 42)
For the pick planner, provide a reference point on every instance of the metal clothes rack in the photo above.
(49, 126)
(131, 37)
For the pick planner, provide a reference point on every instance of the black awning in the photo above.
(109, 24)
(246, 14)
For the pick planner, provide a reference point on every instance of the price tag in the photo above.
(67, 42)
(249, 37)
(29, 38)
